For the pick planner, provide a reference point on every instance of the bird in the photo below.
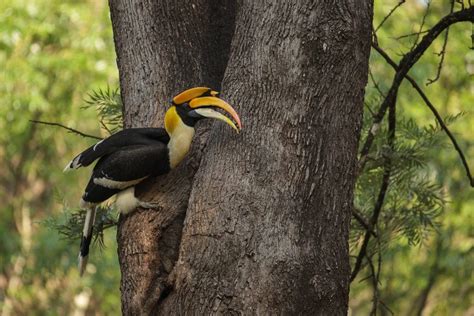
(132, 155)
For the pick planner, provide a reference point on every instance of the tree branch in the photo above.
(433, 110)
(390, 103)
(405, 65)
(389, 14)
(72, 130)
(383, 189)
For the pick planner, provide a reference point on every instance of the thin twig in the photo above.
(428, 4)
(379, 267)
(375, 286)
(72, 130)
(411, 34)
(379, 261)
(363, 222)
(433, 110)
(441, 61)
(104, 126)
(389, 14)
(442, 53)
(369, 109)
(386, 307)
(376, 85)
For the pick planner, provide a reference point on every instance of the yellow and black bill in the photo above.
(205, 107)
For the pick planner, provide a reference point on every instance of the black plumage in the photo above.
(124, 158)
(132, 155)
(119, 140)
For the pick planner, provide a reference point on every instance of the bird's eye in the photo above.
(185, 106)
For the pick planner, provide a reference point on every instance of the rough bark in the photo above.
(266, 226)
(266, 230)
(163, 47)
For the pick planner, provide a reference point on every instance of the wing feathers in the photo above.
(124, 138)
(130, 165)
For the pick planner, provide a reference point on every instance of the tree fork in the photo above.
(266, 226)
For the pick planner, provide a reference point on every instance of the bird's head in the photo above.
(196, 104)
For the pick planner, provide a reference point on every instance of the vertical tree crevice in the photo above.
(219, 34)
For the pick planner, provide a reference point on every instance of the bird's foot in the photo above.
(127, 202)
(149, 205)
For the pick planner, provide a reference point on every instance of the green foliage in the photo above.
(51, 54)
(414, 201)
(423, 233)
(70, 223)
(108, 103)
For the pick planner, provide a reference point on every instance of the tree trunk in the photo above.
(163, 47)
(266, 222)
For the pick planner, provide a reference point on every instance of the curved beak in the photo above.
(210, 113)
(203, 104)
(192, 93)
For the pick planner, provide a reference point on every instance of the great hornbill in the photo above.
(134, 154)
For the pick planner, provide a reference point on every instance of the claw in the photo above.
(149, 205)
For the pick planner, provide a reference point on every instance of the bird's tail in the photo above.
(86, 238)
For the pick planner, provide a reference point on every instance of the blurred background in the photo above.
(54, 54)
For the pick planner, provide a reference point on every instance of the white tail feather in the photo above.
(73, 164)
(86, 238)
(82, 264)
(68, 167)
